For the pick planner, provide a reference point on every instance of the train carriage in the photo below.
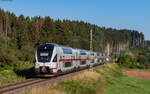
(67, 59)
(98, 56)
(82, 58)
(53, 59)
(103, 56)
(92, 58)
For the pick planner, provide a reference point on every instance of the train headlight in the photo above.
(37, 65)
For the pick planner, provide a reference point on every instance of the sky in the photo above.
(119, 14)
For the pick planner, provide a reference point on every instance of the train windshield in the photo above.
(44, 53)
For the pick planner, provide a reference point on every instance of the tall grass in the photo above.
(116, 82)
(85, 83)
(109, 79)
(16, 72)
(89, 82)
(53, 89)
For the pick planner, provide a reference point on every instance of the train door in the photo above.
(59, 58)
(88, 58)
(95, 59)
(76, 56)
(77, 59)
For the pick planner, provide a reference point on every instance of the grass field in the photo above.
(127, 85)
(109, 79)
(119, 83)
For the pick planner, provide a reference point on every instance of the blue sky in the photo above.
(120, 14)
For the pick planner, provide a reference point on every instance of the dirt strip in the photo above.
(139, 74)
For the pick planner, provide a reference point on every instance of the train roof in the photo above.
(57, 45)
(54, 44)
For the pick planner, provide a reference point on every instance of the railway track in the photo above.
(15, 88)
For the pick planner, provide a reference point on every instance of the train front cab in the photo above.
(46, 59)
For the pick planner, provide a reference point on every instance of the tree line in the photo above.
(25, 33)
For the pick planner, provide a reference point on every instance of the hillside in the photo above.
(31, 31)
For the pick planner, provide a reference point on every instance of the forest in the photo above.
(19, 36)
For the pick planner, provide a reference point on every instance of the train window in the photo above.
(92, 61)
(82, 52)
(72, 57)
(67, 64)
(103, 54)
(55, 58)
(98, 54)
(44, 53)
(92, 54)
(82, 62)
(67, 50)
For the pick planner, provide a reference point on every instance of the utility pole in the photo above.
(91, 47)
(91, 39)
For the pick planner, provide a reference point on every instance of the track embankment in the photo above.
(15, 88)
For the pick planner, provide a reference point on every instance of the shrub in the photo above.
(27, 53)
(127, 61)
(136, 57)
(74, 87)
(142, 59)
(7, 56)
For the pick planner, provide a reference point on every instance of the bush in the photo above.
(74, 87)
(127, 61)
(136, 57)
(27, 53)
(142, 59)
(7, 56)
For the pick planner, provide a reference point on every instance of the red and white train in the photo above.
(53, 59)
